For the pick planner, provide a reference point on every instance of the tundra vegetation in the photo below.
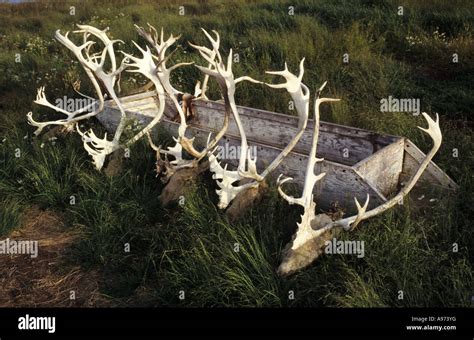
(145, 254)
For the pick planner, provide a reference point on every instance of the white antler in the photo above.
(210, 55)
(302, 250)
(148, 68)
(434, 132)
(225, 79)
(299, 92)
(99, 148)
(247, 164)
(71, 117)
(162, 71)
(227, 83)
(94, 66)
(158, 74)
(306, 199)
(93, 70)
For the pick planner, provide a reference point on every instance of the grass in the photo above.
(191, 248)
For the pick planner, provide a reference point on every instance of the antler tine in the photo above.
(299, 92)
(208, 71)
(433, 130)
(100, 147)
(290, 199)
(435, 133)
(214, 42)
(147, 36)
(154, 32)
(293, 83)
(152, 144)
(92, 70)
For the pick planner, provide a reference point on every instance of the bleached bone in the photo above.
(306, 199)
(299, 92)
(227, 83)
(200, 91)
(225, 79)
(147, 67)
(313, 227)
(434, 132)
(71, 117)
(246, 175)
(98, 148)
(92, 69)
(163, 72)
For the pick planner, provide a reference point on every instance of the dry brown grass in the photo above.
(47, 280)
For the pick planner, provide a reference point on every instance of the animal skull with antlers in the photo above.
(313, 230)
(234, 185)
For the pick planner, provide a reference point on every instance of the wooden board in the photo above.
(341, 144)
(383, 168)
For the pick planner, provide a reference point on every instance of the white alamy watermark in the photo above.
(74, 104)
(28, 322)
(227, 151)
(391, 104)
(345, 247)
(23, 247)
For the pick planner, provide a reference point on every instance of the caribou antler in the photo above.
(314, 229)
(227, 83)
(72, 117)
(247, 169)
(434, 132)
(148, 68)
(158, 74)
(94, 71)
(163, 72)
(99, 148)
(306, 200)
(93, 64)
(299, 92)
(225, 79)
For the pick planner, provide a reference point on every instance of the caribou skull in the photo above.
(313, 230)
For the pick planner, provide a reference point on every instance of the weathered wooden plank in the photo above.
(383, 168)
(284, 119)
(333, 146)
(341, 184)
(335, 142)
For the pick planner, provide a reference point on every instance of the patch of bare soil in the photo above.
(47, 280)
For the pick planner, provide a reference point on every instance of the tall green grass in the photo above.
(191, 248)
